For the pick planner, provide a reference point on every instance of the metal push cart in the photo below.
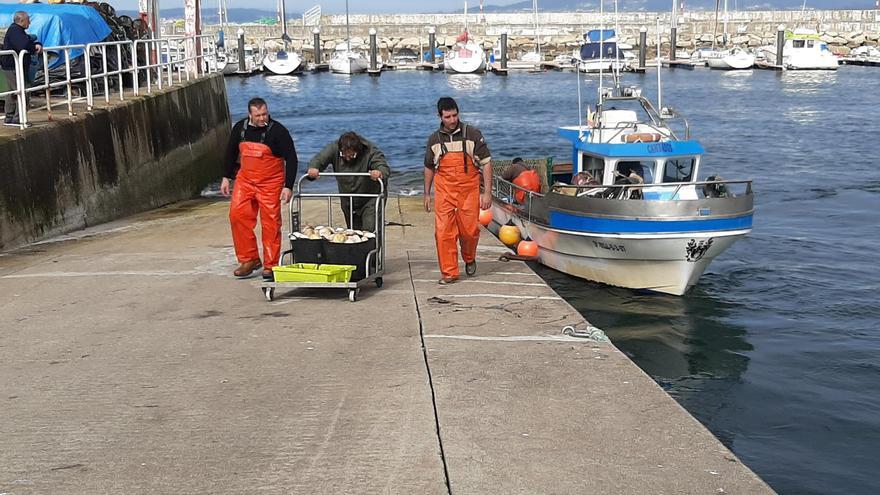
(375, 259)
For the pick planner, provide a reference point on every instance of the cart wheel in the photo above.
(379, 282)
(269, 292)
(352, 295)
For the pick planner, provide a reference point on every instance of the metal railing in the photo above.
(112, 67)
(19, 85)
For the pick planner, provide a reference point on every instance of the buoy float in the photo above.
(509, 234)
(485, 217)
(527, 247)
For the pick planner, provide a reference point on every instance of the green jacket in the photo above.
(371, 159)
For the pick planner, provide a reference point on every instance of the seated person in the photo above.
(522, 176)
(628, 173)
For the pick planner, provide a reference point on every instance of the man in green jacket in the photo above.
(353, 153)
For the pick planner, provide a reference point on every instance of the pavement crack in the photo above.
(430, 377)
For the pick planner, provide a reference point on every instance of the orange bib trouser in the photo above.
(456, 211)
(257, 186)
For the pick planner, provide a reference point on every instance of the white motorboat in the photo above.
(600, 52)
(803, 50)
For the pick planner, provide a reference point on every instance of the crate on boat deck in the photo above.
(312, 272)
(352, 254)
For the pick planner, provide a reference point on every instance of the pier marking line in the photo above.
(522, 338)
(498, 282)
(504, 296)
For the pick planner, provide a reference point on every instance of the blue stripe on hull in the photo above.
(577, 223)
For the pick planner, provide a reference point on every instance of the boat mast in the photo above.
(537, 40)
(715, 26)
(284, 36)
(347, 29)
(465, 18)
(726, 18)
(615, 70)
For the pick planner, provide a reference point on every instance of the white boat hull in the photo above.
(657, 263)
(733, 61)
(282, 63)
(348, 64)
(467, 59)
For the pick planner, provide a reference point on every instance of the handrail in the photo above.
(19, 91)
(136, 62)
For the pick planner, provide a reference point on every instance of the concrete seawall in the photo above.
(108, 163)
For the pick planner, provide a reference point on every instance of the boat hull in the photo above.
(732, 62)
(282, 65)
(348, 65)
(666, 262)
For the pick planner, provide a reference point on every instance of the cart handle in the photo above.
(340, 174)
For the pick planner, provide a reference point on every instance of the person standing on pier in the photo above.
(261, 159)
(16, 39)
(354, 153)
(455, 157)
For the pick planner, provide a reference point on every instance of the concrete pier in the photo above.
(131, 361)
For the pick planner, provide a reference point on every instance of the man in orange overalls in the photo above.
(456, 156)
(261, 158)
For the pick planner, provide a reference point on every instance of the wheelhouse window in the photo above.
(678, 170)
(594, 166)
(797, 43)
(644, 169)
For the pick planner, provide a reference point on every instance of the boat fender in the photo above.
(642, 137)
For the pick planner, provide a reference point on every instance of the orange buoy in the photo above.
(528, 180)
(485, 217)
(509, 234)
(527, 247)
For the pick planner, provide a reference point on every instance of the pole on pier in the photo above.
(780, 42)
(316, 36)
(504, 50)
(374, 54)
(643, 46)
(431, 44)
(241, 61)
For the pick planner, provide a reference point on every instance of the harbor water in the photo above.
(777, 349)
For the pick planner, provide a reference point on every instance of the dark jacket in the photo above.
(371, 159)
(276, 137)
(17, 39)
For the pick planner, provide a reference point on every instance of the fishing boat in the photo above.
(344, 59)
(629, 210)
(279, 59)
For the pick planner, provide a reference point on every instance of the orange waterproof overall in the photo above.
(456, 211)
(258, 185)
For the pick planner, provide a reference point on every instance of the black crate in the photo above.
(336, 253)
(308, 250)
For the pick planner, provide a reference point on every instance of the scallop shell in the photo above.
(369, 235)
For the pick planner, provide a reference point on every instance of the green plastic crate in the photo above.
(310, 272)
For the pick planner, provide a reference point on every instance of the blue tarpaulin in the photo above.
(597, 35)
(58, 25)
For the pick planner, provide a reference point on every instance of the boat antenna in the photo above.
(347, 29)
(580, 112)
(601, 47)
(659, 87)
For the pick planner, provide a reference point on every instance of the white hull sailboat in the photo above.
(733, 59)
(345, 60)
(466, 56)
(284, 61)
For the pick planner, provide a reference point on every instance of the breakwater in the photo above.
(108, 163)
(843, 30)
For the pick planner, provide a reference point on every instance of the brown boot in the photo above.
(246, 268)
